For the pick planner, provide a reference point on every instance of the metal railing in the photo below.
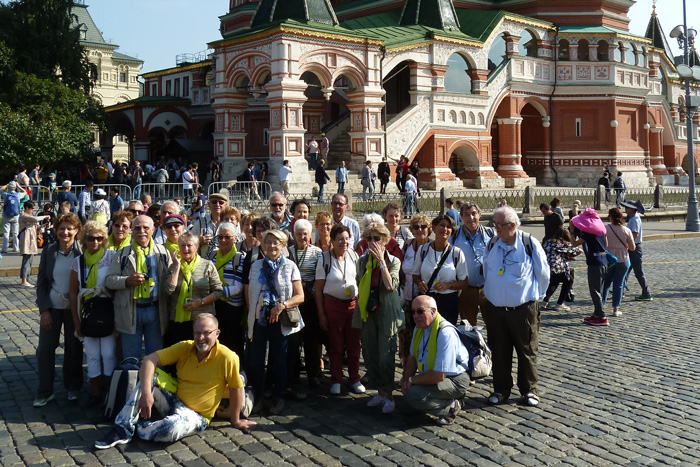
(427, 202)
(587, 196)
(677, 195)
(488, 200)
(247, 195)
(161, 192)
(41, 194)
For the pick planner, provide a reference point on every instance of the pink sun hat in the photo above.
(589, 222)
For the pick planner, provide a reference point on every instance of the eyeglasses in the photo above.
(90, 238)
(336, 203)
(376, 238)
(420, 311)
(224, 237)
(420, 227)
(277, 205)
(136, 211)
(217, 201)
(172, 225)
(205, 333)
(157, 218)
(505, 224)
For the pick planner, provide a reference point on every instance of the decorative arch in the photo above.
(462, 117)
(352, 74)
(464, 160)
(527, 46)
(180, 118)
(236, 79)
(534, 102)
(563, 49)
(321, 72)
(457, 77)
(603, 51)
(257, 78)
(247, 61)
(583, 50)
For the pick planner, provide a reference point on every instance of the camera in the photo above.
(373, 301)
(145, 277)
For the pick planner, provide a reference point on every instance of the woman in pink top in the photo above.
(620, 240)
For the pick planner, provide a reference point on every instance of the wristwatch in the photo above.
(382, 266)
(285, 304)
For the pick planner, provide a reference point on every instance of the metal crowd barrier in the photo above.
(244, 194)
(161, 192)
(41, 194)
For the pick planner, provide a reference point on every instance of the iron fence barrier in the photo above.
(42, 195)
(161, 192)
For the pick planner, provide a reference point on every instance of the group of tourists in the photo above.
(234, 291)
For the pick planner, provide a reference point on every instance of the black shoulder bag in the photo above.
(98, 312)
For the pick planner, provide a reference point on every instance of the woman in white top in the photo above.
(336, 298)
(451, 276)
(620, 240)
(99, 209)
(100, 351)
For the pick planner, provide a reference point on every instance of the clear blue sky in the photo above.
(158, 30)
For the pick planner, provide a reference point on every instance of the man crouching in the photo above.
(434, 378)
(204, 369)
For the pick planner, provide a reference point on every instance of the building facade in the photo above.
(481, 93)
(116, 76)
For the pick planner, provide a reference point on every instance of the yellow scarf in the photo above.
(143, 290)
(91, 260)
(222, 261)
(125, 242)
(172, 247)
(186, 269)
(432, 342)
(365, 286)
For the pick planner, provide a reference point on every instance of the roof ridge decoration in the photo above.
(437, 14)
(305, 11)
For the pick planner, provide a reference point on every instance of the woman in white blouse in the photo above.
(100, 351)
(451, 276)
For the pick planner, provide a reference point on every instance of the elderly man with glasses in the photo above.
(136, 207)
(139, 275)
(278, 211)
(205, 226)
(435, 377)
(517, 276)
(205, 369)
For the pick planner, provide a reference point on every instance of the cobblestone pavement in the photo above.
(621, 395)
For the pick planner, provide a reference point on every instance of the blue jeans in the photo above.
(638, 268)
(408, 205)
(277, 360)
(179, 420)
(341, 187)
(137, 190)
(148, 328)
(321, 186)
(615, 277)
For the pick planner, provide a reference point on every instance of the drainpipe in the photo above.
(551, 109)
(381, 80)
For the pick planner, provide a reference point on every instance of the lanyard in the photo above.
(296, 259)
(468, 237)
(345, 264)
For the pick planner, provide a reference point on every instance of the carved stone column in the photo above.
(509, 145)
(366, 131)
(656, 156)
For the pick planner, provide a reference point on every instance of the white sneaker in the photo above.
(335, 389)
(358, 388)
(545, 305)
(617, 313)
(562, 307)
(376, 401)
(388, 406)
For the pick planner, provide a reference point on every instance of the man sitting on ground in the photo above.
(204, 369)
(434, 379)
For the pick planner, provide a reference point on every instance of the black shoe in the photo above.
(114, 437)
(277, 406)
(314, 382)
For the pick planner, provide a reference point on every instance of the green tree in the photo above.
(45, 122)
(43, 43)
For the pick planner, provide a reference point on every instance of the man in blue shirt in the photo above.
(516, 279)
(452, 212)
(472, 239)
(634, 223)
(67, 195)
(116, 203)
(434, 377)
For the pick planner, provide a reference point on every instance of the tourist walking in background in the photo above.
(634, 223)
(28, 233)
(321, 178)
(341, 177)
(560, 252)
(620, 243)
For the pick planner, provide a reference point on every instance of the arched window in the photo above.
(457, 78)
(527, 45)
(497, 52)
(603, 51)
(462, 117)
(630, 55)
(642, 58)
(583, 52)
(563, 53)
(472, 118)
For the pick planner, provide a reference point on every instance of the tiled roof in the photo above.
(312, 11)
(83, 20)
(125, 58)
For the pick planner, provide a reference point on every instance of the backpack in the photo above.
(327, 254)
(11, 208)
(480, 361)
(124, 380)
(619, 183)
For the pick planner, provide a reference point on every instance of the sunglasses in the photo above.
(224, 237)
(217, 201)
(375, 238)
(90, 238)
(420, 227)
(173, 225)
(136, 211)
(335, 203)
(277, 205)
(420, 311)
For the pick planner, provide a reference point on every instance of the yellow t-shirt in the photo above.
(201, 385)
